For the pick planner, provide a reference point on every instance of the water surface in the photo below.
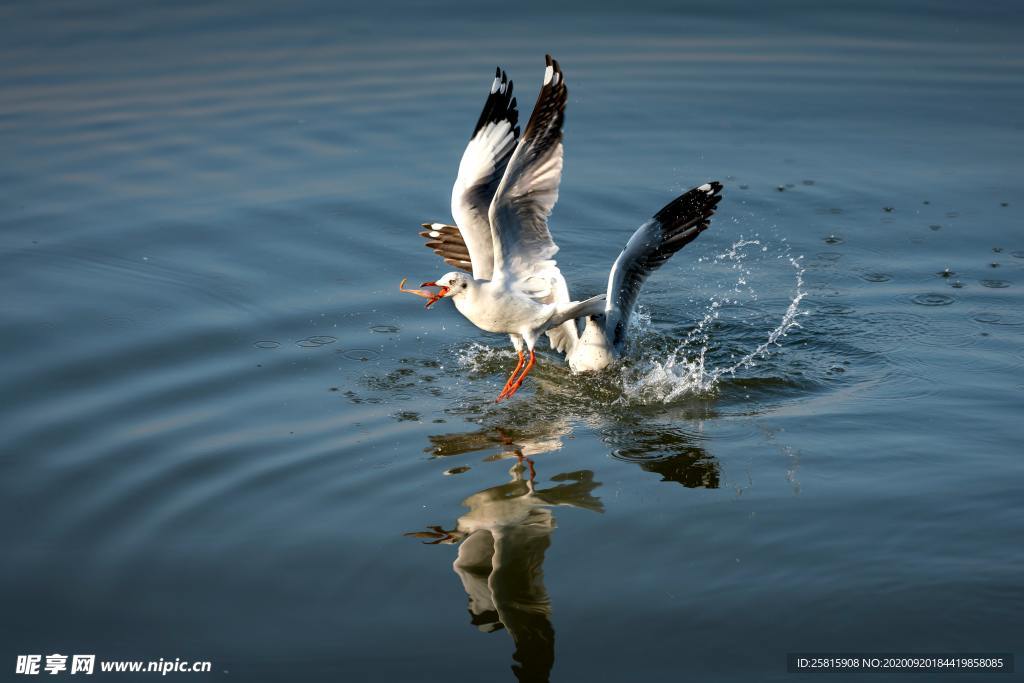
(228, 437)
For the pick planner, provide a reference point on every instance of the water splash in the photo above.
(687, 368)
(658, 370)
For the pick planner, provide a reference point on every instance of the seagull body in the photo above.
(516, 287)
(676, 225)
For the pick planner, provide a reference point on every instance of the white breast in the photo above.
(594, 351)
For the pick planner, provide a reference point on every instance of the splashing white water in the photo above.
(476, 356)
(686, 369)
(651, 377)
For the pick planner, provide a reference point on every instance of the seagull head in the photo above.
(449, 284)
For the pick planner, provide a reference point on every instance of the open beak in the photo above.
(434, 298)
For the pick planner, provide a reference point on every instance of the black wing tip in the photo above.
(696, 204)
(554, 78)
(500, 104)
(549, 112)
(552, 62)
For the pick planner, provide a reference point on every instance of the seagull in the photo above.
(514, 285)
(605, 334)
(653, 243)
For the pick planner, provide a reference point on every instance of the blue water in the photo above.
(221, 421)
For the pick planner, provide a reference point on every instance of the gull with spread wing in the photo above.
(515, 286)
(605, 334)
(655, 242)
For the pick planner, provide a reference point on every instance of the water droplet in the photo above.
(835, 309)
(946, 272)
(384, 329)
(267, 344)
(313, 342)
(808, 182)
(933, 299)
(780, 188)
(359, 354)
(876, 277)
(888, 209)
(456, 470)
(990, 318)
(957, 285)
(935, 226)
(833, 239)
(995, 284)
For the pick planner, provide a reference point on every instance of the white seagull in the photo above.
(515, 288)
(653, 243)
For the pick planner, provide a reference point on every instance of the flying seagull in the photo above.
(514, 285)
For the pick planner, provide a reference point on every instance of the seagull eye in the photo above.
(463, 285)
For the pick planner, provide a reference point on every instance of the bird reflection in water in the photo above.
(507, 530)
(502, 541)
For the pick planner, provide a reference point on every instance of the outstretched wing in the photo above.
(523, 248)
(446, 241)
(481, 170)
(650, 247)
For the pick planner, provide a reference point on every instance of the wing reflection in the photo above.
(672, 453)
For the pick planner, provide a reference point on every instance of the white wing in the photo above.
(481, 169)
(523, 248)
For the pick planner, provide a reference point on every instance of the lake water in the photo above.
(221, 421)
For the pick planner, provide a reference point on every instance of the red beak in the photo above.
(434, 298)
(437, 297)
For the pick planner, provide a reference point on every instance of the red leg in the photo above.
(523, 459)
(511, 377)
(526, 371)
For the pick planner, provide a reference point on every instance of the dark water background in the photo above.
(220, 417)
